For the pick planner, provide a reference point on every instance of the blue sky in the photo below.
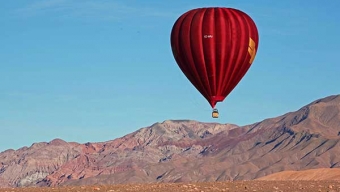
(90, 71)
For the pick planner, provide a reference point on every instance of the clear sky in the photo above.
(95, 70)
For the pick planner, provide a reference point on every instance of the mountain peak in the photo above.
(57, 141)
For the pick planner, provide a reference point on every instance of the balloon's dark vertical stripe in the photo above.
(227, 49)
(219, 49)
(187, 50)
(180, 52)
(208, 43)
(235, 32)
(246, 56)
(197, 49)
(249, 32)
(243, 55)
(194, 22)
(176, 49)
(213, 78)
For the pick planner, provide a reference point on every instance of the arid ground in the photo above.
(237, 186)
(318, 180)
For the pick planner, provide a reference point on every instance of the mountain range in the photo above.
(185, 151)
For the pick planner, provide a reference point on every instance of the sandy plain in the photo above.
(232, 186)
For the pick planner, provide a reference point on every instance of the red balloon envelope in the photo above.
(214, 47)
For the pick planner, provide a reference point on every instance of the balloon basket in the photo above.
(215, 113)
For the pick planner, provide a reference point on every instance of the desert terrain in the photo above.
(312, 174)
(232, 186)
(323, 179)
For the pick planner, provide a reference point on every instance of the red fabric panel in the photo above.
(210, 45)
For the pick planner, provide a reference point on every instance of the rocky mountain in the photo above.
(185, 150)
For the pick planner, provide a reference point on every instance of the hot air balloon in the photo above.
(214, 47)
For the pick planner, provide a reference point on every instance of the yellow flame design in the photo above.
(251, 50)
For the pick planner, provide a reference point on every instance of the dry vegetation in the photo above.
(237, 186)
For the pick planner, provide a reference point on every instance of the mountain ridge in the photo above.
(185, 150)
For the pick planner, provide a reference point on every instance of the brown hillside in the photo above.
(311, 174)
